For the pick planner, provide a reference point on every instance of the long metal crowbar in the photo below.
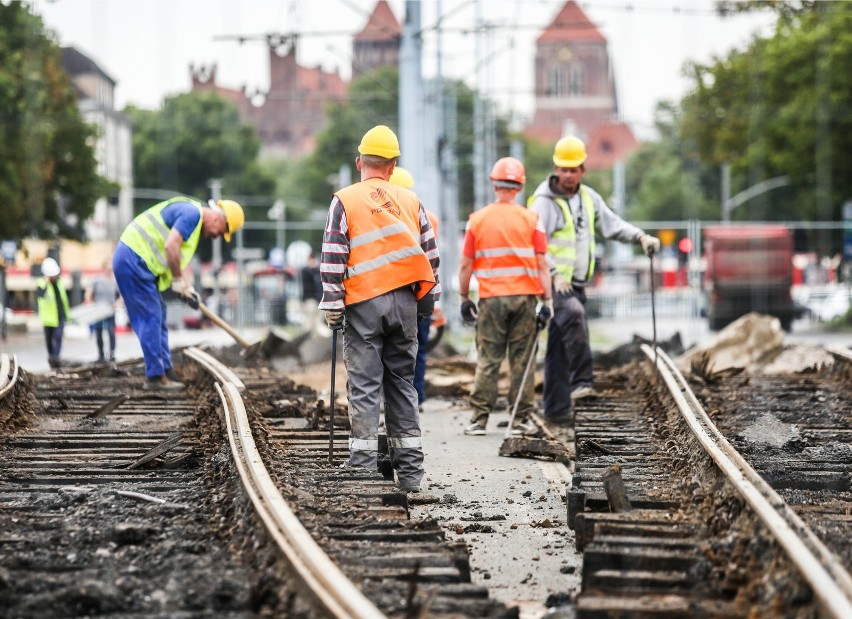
(538, 329)
(334, 330)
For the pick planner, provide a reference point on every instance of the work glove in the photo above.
(187, 293)
(650, 244)
(545, 313)
(425, 306)
(469, 312)
(334, 318)
(560, 284)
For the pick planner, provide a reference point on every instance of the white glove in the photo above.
(650, 244)
(334, 318)
(560, 284)
(187, 293)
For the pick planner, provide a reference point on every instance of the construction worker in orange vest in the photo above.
(403, 178)
(380, 271)
(505, 247)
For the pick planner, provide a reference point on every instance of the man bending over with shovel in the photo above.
(150, 258)
(380, 268)
(505, 247)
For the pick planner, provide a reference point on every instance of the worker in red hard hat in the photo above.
(505, 247)
(379, 271)
(572, 213)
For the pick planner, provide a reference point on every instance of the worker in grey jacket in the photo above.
(571, 213)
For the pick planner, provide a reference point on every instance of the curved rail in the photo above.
(8, 364)
(219, 370)
(841, 353)
(328, 586)
(830, 582)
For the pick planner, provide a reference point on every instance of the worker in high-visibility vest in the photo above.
(505, 248)
(403, 178)
(571, 214)
(53, 309)
(151, 257)
(379, 270)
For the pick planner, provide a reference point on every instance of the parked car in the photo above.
(826, 305)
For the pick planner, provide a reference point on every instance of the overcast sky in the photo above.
(147, 46)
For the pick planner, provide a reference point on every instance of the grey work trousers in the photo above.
(379, 351)
(568, 361)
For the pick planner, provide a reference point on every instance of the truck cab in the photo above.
(748, 269)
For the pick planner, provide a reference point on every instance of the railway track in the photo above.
(228, 499)
(703, 534)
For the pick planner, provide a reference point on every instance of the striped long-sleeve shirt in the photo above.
(335, 255)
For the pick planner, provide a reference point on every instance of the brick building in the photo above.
(575, 89)
(291, 112)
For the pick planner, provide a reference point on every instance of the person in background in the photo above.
(403, 178)
(571, 214)
(380, 269)
(53, 309)
(311, 282)
(505, 247)
(104, 291)
(151, 257)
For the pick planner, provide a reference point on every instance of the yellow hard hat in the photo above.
(381, 142)
(233, 215)
(402, 177)
(570, 152)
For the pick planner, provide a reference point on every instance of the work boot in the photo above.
(161, 383)
(475, 429)
(173, 376)
(525, 428)
(583, 393)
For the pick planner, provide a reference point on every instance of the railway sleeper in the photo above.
(654, 606)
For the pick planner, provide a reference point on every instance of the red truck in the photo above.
(748, 269)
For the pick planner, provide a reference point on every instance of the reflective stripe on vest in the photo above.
(563, 243)
(146, 236)
(406, 442)
(48, 309)
(504, 259)
(384, 241)
(364, 444)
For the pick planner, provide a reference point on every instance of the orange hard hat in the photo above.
(509, 169)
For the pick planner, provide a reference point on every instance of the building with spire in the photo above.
(575, 89)
(377, 45)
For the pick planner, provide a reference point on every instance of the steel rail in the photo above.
(220, 371)
(841, 353)
(7, 363)
(829, 581)
(338, 596)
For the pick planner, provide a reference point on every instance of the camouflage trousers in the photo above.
(506, 325)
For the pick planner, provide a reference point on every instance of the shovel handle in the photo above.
(224, 325)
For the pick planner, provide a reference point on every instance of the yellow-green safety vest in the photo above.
(562, 246)
(146, 236)
(48, 310)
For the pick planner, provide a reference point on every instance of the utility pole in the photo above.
(215, 195)
(411, 91)
(480, 198)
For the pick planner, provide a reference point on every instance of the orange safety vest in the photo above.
(384, 241)
(504, 259)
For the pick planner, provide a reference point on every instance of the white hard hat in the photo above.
(49, 268)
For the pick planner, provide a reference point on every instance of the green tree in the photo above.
(49, 183)
(781, 107)
(666, 180)
(194, 138)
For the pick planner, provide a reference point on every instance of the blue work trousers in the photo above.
(568, 362)
(53, 339)
(423, 327)
(145, 309)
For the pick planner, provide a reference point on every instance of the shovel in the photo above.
(249, 351)
(523, 381)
